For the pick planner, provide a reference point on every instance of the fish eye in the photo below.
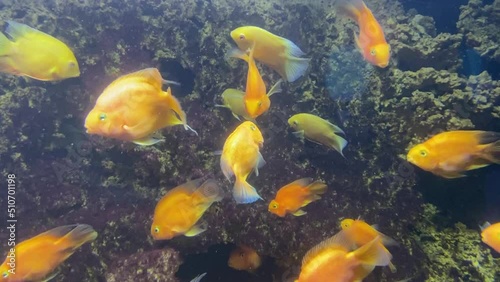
(274, 206)
(156, 230)
(242, 36)
(372, 52)
(259, 104)
(295, 122)
(102, 116)
(242, 254)
(423, 153)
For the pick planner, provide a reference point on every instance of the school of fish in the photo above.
(135, 108)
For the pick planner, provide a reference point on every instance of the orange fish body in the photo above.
(490, 235)
(133, 107)
(293, 196)
(244, 258)
(180, 209)
(371, 39)
(240, 156)
(334, 261)
(451, 153)
(38, 257)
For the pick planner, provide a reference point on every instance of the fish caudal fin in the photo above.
(294, 67)
(491, 151)
(244, 193)
(373, 253)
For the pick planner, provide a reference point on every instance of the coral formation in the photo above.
(68, 176)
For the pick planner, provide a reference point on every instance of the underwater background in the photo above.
(443, 75)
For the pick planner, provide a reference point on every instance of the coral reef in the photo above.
(68, 176)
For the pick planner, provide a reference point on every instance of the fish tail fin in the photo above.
(76, 235)
(491, 142)
(244, 193)
(338, 143)
(373, 253)
(351, 8)
(209, 192)
(317, 188)
(293, 67)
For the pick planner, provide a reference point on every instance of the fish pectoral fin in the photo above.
(196, 230)
(276, 88)
(148, 140)
(237, 53)
(299, 134)
(299, 213)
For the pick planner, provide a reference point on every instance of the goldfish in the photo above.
(371, 39)
(491, 235)
(133, 107)
(244, 258)
(233, 100)
(178, 212)
(293, 196)
(37, 258)
(450, 154)
(256, 100)
(318, 130)
(279, 53)
(240, 156)
(333, 260)
(32, 53)
(361, 233)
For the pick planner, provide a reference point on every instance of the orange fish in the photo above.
(361, 233)
(491, 235)
(279, 53)
(180, 209)
(293, 196)
(451, 153)
(333, 260)
(38, 257)
(244, 258)
(256, 100)
(240, 156)
(133, 107)
(371, 40)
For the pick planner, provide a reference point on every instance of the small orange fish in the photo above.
(293, 196)
(133, 107)
(38, 257)
(451, 153)
(361, 233)
(240, 156)
(491, 235)
(371, 40)
(244, 258)
(279, 53)
(256, 100)
(333, 260)
(180, 209)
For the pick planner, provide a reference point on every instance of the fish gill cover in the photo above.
(67, 176)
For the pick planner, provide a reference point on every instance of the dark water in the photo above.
(443, 75)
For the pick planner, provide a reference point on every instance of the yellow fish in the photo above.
(35, 54)
(240, 156)
(133, 107)
(180, 209)
(233, 100)
(318, 130)
(279, 53)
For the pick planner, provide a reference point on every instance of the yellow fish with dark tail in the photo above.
(30, 52)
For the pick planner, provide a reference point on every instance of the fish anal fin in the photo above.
(195, 230)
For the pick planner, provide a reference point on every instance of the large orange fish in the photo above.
(293, 196)
(491, 235)
(371, 40)
(450, 154)
(180, 209)
(277, 52)
(362, 233)
(244, 258)
(256, 99)
(38, 257)
(240, 156)
(333, 260)
(133, 107)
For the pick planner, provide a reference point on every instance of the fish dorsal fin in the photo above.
(150, 75)
(191, 185)
(303, 182)
(335, 128)
(339, 240)
(17, 30)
